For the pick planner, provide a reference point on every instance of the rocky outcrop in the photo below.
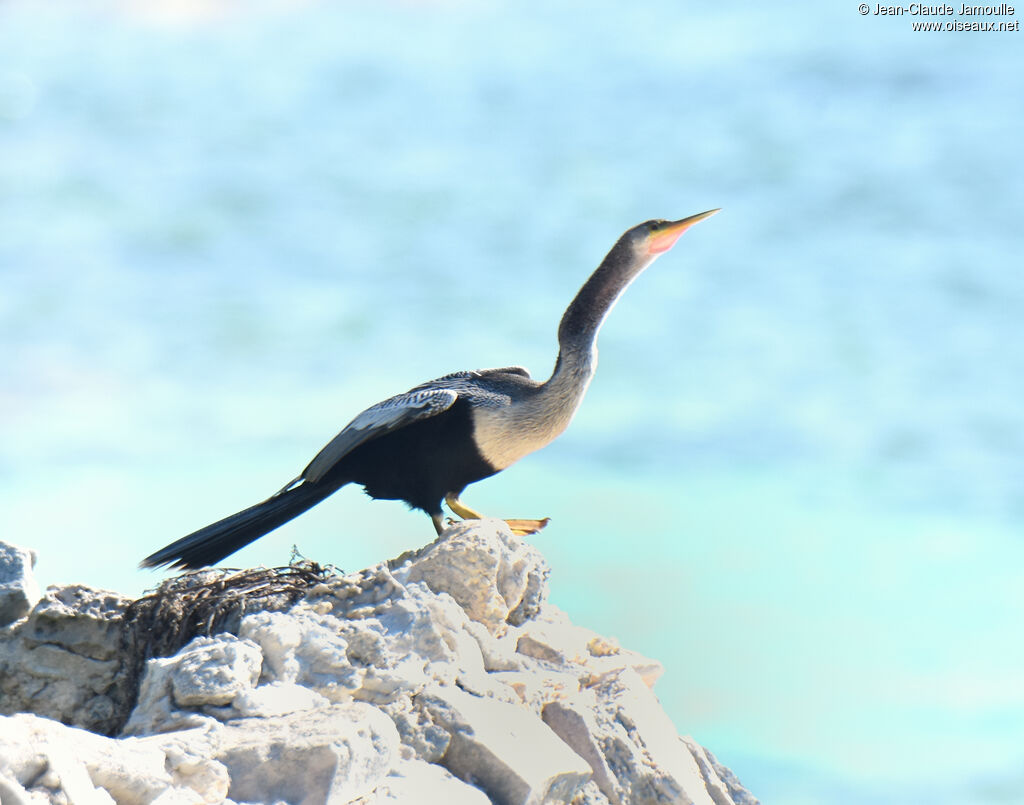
(18, 589)
(443, 676)
(64, 660)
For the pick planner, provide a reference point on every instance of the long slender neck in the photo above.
(577, 333)
(505, 435)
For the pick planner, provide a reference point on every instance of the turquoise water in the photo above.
(797, 478)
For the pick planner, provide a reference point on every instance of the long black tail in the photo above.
(209, 545)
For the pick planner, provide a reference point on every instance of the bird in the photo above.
(427, 445)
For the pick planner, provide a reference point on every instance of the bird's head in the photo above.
(652, 238)
(632, 253)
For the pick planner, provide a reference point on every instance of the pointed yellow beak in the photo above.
(666, 236)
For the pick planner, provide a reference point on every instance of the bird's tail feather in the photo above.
(211, 544)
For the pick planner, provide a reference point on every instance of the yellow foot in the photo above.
(519, 527)
(524, 527)
(461, 509)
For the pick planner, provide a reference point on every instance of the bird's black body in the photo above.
(421, 463)
(426, 445)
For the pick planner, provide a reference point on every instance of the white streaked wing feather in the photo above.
(384, 417)
(477, 373)
(522, 371)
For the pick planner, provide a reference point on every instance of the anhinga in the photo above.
(425, 446)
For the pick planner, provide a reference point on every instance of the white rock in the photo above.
(19, 591)
(81, 619)
(545, 650)
(489, 686)
(333, 755)
(649, 670)
(590, 794)
(492, 574)
(178, 796)
(189, 760)
(420, 623)
(639, 710)
(13, 793)
(63, 660)
(214, 670)
(180, 692)
(155, 710)
(722, 784)
(393, 648)
(575, 722)
(553, 638)
(506, 750)
(419, 734)
(32, 755)
(717, 789)
(413, 781)
(536, 686)
(54, 682)
(619, 727)
(300, 646)
(69, 776)
(276, 699)
(498, 654)
(92, 768)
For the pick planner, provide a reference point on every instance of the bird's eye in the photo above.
(655, 226)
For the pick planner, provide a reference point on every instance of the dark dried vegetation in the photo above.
(204, 603)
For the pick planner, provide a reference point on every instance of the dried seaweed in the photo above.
(205, 602)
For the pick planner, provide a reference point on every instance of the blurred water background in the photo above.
(797, 478)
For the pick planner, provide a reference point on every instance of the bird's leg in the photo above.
(460, 508)
(520, 527)
(438, 521)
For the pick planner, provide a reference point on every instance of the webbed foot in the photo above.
(519, 527)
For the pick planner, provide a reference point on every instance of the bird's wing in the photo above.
(505, 370)
(472, 375)
(384, 417)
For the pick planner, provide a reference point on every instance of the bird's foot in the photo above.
(522, 528)
(519, 527)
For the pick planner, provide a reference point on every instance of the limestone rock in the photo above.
(536, 686)
(508, 752)
(498, 655)
(618, 726)
(276, 699)
(304, 648)
(63, 661)
(332, 755)
(215, 670)
(208, 673)
(345, 648)
(18, 589)
(724, 787)
(578, 726)
(413, 781)
(554, 639)
(418, 731)
(493, 575)
(590, 794)
(43, 760)
(81, 619)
